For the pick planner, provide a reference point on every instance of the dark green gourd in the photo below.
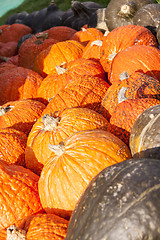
(121, 203)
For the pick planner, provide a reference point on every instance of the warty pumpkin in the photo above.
(121, 202)
(86, 91)
(74, 163)
(32, 47)
(25, 81)
(19, 196)
(137, 58)
(145, 136)
(20, 114)
(39, 226)
(121, 38)
(12, 146)
(137, 85)
(52, 129)
(13, 32)
(125, 115)
(55, 55)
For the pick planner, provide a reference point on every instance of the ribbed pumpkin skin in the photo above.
(67, 173)
(86, 35)
(126, 114)
(137, 58)
(93, 50)
(145, 136)
(12, 146)
(13, 32)
(56, 81)
(19, 196)
(55, 128)
(20, 114)
(87, 92)
(138, 85)
(121, 38)
(25, 81)
(57, 54)
(122, 202)
(31, 48)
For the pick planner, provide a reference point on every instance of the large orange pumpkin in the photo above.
(52, 129)
(137, 58)
(20, 114)
(87, 91)
(19, 196)
(121, 38)
(74, 163)
(55, 55)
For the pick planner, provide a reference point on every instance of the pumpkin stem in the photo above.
(14, 233)
(4, 59)
(5, 110)
(42, 36)
(60, 70)
(128, 10)
(57, 149)
(50, 122)
(97, 43)
(124, 75)
(121, 95)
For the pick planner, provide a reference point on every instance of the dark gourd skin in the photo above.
(79, 14)
(120, 13)
(149, 17)
(120, 203)
(38, 20)
(17, 17)
(145, 134)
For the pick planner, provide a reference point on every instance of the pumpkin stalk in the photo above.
(14, 233)
(5, 110)
(50, 122)
(43, 36)
(57, 149)
(128, 10)
(124, 75)
(60, 70)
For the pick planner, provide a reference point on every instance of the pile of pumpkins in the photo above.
(79, 127)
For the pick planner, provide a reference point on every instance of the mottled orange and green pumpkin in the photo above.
(137, 85)
(74, 163)
(52, 129)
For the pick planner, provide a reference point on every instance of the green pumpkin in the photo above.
(121, 203)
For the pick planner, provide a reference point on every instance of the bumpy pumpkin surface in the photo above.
(87, 91)
(25, 81)
(121, 202)
(74, 163)
(145, 135)
(19, 196)
(52, 129)
(126, 114)
(137, 58)
(31, 48)
(12, 146)
(39, 226)
(137, 85)
(121, 38)
(57, 54)
(20, 114)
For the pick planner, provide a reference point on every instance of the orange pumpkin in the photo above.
(19, 196)
(12, 146)
(86, 91)
(25, 81)
(20, 114)
(121, 38)
(74, 163)
(31, 48)
(52, 129)
(137, 58)
(14, 32)
(125, 115)
(39, 226)
(8, 49)
(92, 50)
(55, 55)
(137, 85)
